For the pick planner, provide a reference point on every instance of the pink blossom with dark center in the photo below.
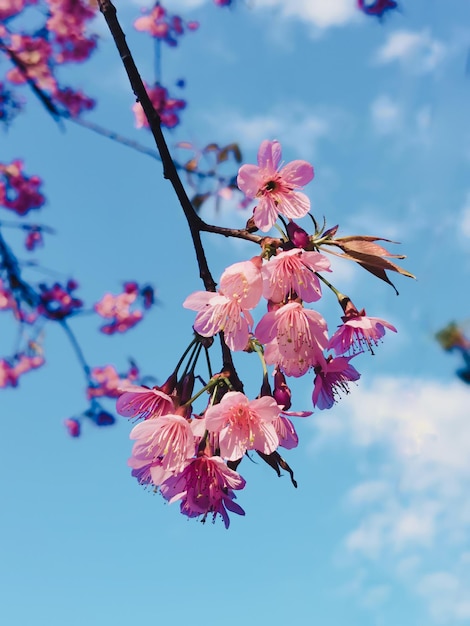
(297, 336)
(332, 376)
(58, 302)
(276, 190)
(205, 487)
(292, 273)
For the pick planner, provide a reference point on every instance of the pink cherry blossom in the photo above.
(331, 376)
(167, 440)
(296, 337)
(117, 309)
(106, 382)
(228, 310)
(142, 402)
(358, 332)
(73, 426)
(292, 273)
(275, 189)
(205, 486)
(166, 107)
(243, 424)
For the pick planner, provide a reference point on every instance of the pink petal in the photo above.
(249, 180)
(269, 155)
(297, 173)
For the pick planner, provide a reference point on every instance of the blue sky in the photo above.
(377, 534)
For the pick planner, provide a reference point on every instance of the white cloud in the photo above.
(464, 222)
(416, 51)
(413, 513)
(296, 127)
(319, 13)
(386, 115)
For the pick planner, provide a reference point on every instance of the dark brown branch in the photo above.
(169, 169)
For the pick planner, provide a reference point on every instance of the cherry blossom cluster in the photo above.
(191, 455)
(19, 192)
(117, 308)
(166, 107)
(160, 24)
(34, 57)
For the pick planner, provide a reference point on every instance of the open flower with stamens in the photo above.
(293, 271)
(277, 190)
(142, 402)
(358, 332)
(299, 333)
(205, 486)
(332, 376)
(228, 310)
(167, 441)
(243, 424)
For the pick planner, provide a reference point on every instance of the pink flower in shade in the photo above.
(106, 382)
(228, 310)
(243, 424)
(166, 107)
(167, 441)
(292, 273)
(331, 376)
(117, 309)
(73, 426)
(20, 192)
(142, 402)
(275, 189)
(358, 332)
(205, 486)
(296, 338)
(376, 7)
(10, 372)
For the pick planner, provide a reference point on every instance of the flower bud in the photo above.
(299, 237)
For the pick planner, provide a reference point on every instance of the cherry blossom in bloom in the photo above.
(166, 107)
(292, 273)
(19, 192)
(276, 190)
(358, 332)
(167, 440)
(228, 310)
(331, 377)
(205, 487)
(117, 309)
(243, 424)
(58, 302)
(106, 382)
(142, 402)
(159, 24)
(12, 369)
(296, 338)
